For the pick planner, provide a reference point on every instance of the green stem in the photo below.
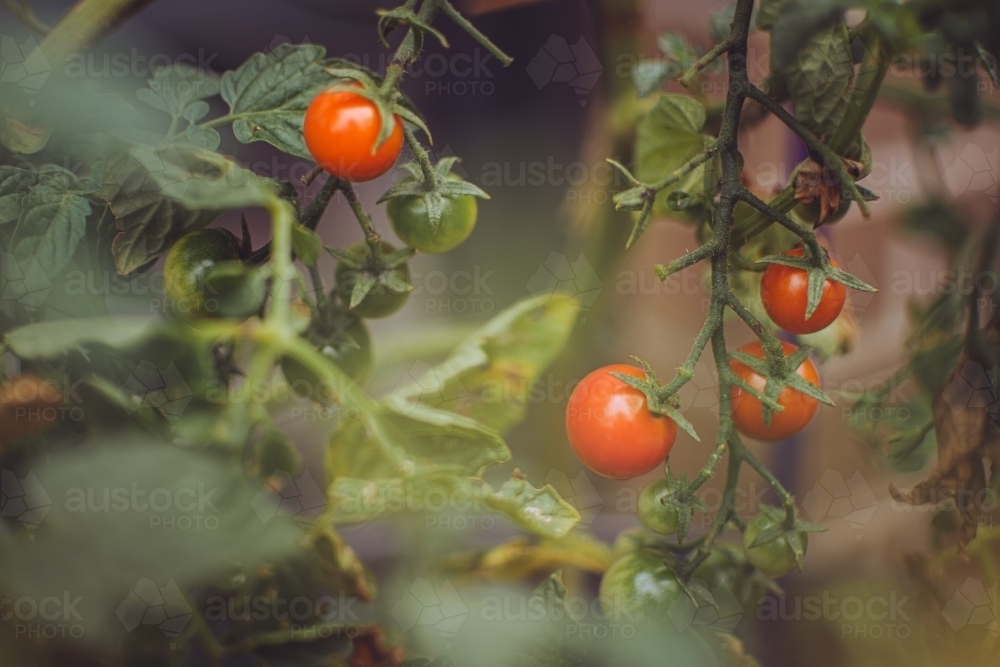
(87, 22)
(703, 62)
(372, 237)
(423, 159)
(465, 25)
(831, 159)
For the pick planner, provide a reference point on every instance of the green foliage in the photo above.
(666, 138)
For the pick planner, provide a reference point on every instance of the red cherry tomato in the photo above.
(799, 409)
(341, 129)
(611, 428)
(784, 291)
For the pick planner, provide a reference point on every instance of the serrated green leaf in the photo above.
(820, 78)
(540, 511)
(269, 94)
(147, 221)
(177, 88)
(50, 229)
(490, 376)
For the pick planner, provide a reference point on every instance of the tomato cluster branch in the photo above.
(720, 250)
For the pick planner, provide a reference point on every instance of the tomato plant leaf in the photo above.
(306, 244)
(489, 376)
(820, 79)
(668, 136)
(541, 510)
(123, 548)
(794, 24)
(269, 94)
(177, 89)
(50, 228)
(50, 339)
(396, 438)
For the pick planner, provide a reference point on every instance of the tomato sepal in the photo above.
(787, 525)
(791, 379)
(656, 402)
(819, 270)
(433, 191)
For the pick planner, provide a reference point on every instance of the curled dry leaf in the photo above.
(965, 414)
(815, 181)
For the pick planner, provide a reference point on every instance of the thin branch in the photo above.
(832, 161)
(703, 62)
(808, 237)
(473, 32)
(372, 237)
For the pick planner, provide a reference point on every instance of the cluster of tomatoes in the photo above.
(613, 432)
(206, 272)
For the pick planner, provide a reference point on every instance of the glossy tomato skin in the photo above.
(341, 129)
(799, 409)
(638, 587)
(784, 291)
(187, 275)
(611, 428)
(412, 224)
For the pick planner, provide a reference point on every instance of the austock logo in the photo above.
(163, 389)
(833, 496)
(973, 387)
(297, 498)
(164, 607)
(578, 492)
(973, 605)
(558, 274)
(559, 62)
(24, 499)
(23, 64)
(424, 604)
(973, 169)
(24, 282)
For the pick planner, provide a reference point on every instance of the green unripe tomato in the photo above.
(638, 586)
(348, 345)
(203, 277)
(775, 558)
(412, 223)
(809, 212)
(652, 512)
(380, 301)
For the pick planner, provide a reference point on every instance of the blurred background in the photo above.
(535, 136)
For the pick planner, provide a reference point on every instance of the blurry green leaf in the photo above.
(796, 24)
(489, 377)
(767, 12)
(541, 511)
(651, 75)
(50, 228)
(101, 554)
(269, 94)
(176, 88)
(669, 136)
(306, 244)
(50, 339)
(397, 438)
